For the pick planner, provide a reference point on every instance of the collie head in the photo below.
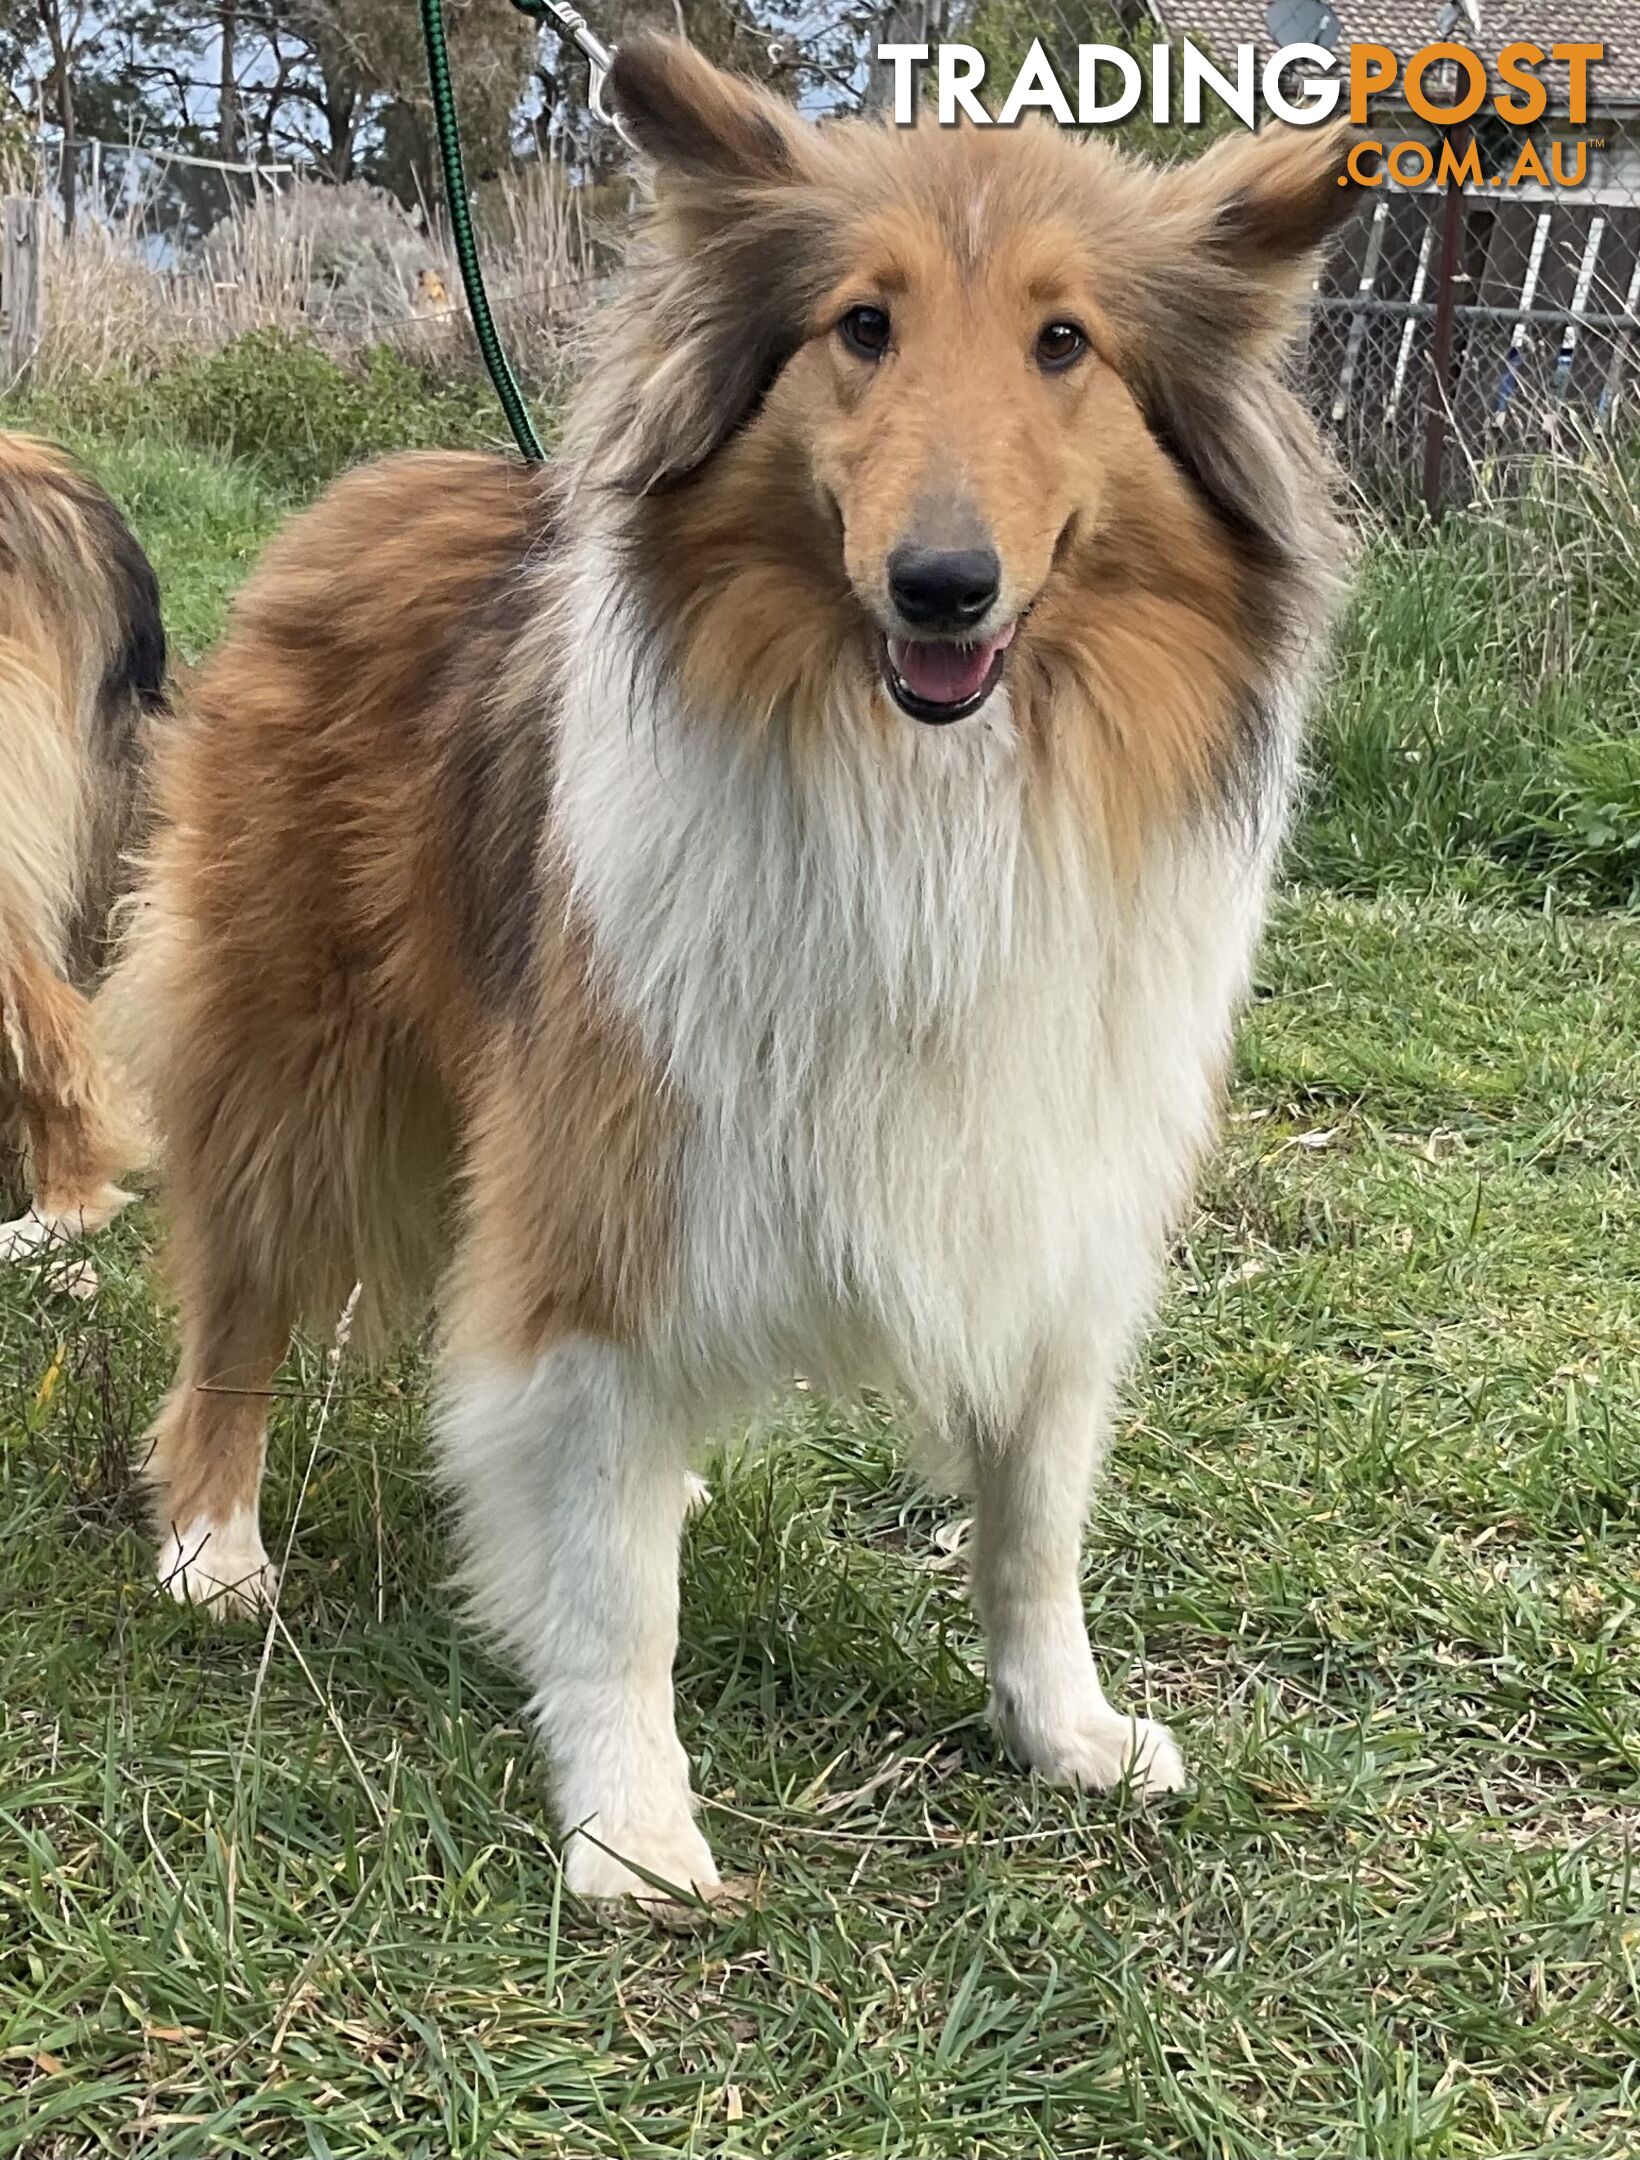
(910, 424)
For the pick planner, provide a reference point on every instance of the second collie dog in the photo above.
(82, 673)
(768, 895)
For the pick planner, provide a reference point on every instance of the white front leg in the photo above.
(572, 1487)
(1031, 1495)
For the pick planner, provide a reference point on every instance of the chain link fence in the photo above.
(1455, 336)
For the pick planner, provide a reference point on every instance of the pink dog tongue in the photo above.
(942, 672)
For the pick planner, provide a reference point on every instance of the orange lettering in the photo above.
(1468, 64)
(1528, 166)
(1516, 65)
(1577, 58)
(1372, 68)
(1459, 169)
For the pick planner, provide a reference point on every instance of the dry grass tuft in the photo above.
(347, 265)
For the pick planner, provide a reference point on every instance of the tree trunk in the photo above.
(230, 133)
(341, 111)
(63, 89)
(901, 22)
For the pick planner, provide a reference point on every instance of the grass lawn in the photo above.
(1368, 1542)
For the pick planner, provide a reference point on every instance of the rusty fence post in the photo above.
(1439, 409)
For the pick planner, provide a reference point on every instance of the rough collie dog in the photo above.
(82, 665)
(767, 896)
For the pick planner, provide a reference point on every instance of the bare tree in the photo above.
(69, 33)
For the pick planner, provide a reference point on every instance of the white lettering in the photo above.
(1237, 96)
(954, 89)
(1036, 85)
(1090, 58)
(1318, 97)
(903, 60)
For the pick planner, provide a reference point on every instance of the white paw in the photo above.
(73, 1278)
(220, 1566)
(675, 1853)
(1098, 1750)
(30, 1233)
(26, 1234)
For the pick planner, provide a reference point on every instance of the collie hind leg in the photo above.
(572, 1486)
(204, 1468)
(1031, 1494)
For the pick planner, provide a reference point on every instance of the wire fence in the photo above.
(1456, 331)
(181, 197)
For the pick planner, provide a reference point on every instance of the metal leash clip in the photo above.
(592, 48)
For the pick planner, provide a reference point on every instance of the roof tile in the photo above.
(1404, 25)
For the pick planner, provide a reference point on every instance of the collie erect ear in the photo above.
(1234, 236)
(696, 121)
(1267, 201)
(1237, 238)
(730, 263)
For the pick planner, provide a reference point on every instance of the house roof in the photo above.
(1404, 25)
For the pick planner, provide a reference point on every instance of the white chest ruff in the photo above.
(943, 1081)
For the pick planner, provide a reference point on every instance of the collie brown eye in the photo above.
(865, 330)
(1059, 346)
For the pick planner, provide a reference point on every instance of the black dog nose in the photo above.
(944, 588)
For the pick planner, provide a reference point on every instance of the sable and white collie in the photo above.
(82, 668)
(767, 895)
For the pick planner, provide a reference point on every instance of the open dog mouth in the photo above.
(937, 680)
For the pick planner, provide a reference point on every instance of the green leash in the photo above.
(597, 54)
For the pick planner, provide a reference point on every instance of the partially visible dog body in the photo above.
(82, 668)
(774, 891)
